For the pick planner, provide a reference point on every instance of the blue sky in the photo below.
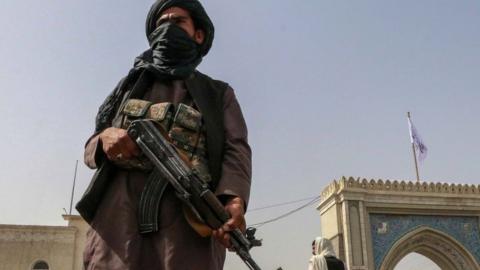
(324, 87)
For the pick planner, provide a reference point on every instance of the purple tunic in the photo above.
(114, 242)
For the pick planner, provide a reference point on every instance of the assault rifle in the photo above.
(201, 204)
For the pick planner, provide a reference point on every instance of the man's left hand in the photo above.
(236, 208)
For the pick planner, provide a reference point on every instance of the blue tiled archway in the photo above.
(387, 229)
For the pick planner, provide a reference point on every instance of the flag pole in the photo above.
(73, 188)
(414, 153)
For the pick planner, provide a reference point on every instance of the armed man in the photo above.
(137, 221)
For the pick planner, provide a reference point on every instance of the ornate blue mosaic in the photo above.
(386, 229)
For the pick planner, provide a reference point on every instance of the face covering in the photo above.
(197, 12)
(174, 52)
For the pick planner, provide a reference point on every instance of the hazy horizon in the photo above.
(324, 87)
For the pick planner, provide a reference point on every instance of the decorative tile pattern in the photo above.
(397, 186)
(386, 229)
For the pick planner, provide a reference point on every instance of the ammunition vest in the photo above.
(207, 94)
(184, 125)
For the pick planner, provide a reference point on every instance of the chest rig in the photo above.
(207, 94)
(185, 129)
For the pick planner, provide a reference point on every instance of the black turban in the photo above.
(197, 12)
(146, 60)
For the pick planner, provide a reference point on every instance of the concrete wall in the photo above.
(60, 246)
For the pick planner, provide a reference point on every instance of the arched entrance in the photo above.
(416, 261)
(442, 249)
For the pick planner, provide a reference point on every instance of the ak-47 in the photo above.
(201, 205)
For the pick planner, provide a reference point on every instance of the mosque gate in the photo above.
(374, 224)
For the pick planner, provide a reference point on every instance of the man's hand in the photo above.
(117, 144)
(235, 207)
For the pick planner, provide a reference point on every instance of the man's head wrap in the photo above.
(147, 60)
(323, 248)
(197, 12)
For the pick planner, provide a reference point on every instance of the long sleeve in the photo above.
(310, 265)
(237, 159)
(93, 156)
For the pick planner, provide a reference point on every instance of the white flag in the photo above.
(415, 138)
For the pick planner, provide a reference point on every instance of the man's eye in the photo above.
(177, 20)
(161, 21)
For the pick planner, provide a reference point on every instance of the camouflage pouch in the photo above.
(188, 117)
(161, 113)
(200, 165)
(188, 135)
(134, 109)
(186, 130)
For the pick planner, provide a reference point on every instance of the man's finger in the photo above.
(125, 155)
(237, 221)
(112, 151)
(229, 225)
(129, 148)
(226, 240)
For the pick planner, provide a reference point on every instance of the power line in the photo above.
(259, 224)
(280, 204)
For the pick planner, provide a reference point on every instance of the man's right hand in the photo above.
(117, 144)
